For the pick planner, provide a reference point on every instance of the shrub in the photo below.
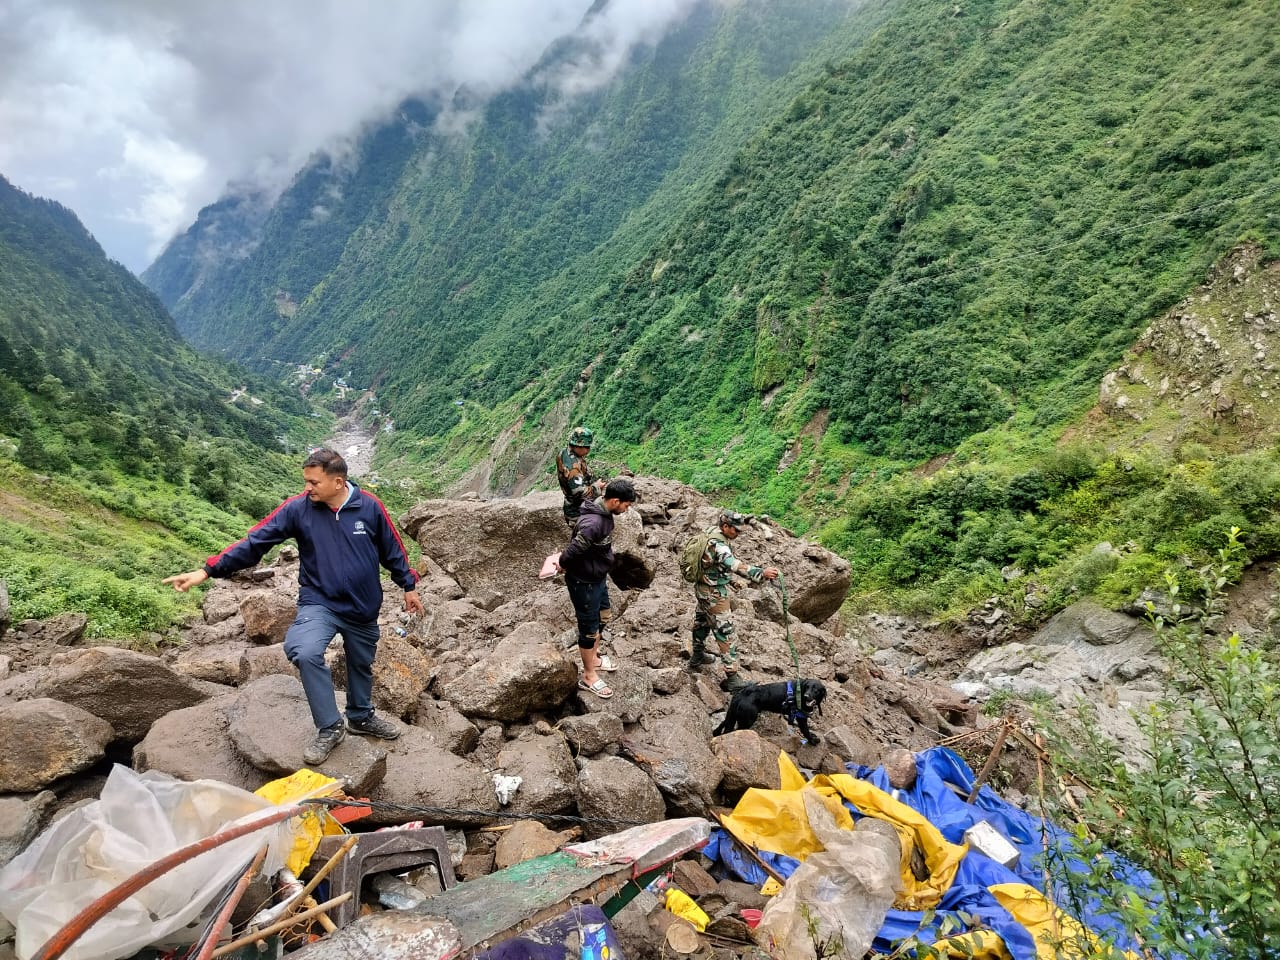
(1200, 814)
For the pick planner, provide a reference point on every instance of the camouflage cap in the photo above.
(581, 437)
(733, 519)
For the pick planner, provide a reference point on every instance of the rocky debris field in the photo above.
(484, 686)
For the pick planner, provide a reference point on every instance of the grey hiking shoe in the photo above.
(324, 743)
(374, 726)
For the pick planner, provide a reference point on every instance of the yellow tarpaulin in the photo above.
(313, 824)
(1057, 935)
(774, 820)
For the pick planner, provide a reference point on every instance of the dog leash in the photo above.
(795, 654)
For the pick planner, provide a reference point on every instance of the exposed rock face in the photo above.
(129, 690)
(46, 740)
(1210, 358)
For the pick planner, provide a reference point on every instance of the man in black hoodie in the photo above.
(586, 563)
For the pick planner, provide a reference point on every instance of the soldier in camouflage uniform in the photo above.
(577, 483)
(712, 593)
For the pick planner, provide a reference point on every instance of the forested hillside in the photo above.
(790, 256)
(122, 451)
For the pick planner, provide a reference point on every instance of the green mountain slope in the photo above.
(930, 233)
(456, 230)
(123, 453)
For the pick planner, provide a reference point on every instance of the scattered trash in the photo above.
(505, 787)
(682, 905)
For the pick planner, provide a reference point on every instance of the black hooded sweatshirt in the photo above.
(589, 555)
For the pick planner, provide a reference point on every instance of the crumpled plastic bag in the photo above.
(838, 895)
(505, 787)
(550, 566)
(138, 819)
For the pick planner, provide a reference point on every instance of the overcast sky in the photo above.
(137, 113)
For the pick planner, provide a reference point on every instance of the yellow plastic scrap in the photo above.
(1057, 935)
(682, 905)
(312, 825)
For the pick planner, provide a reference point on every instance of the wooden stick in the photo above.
(322, 918)
(749, 850)
(991, 759)
(281, 925)
(328, 867)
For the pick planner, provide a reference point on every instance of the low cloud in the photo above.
(136, 113)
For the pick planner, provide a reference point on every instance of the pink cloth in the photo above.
(550, 567)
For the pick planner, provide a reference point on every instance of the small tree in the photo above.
(1201, 810)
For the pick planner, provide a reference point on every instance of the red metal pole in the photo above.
(229, 907)
(75, 928)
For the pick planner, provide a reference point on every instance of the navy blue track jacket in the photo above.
(340, 552)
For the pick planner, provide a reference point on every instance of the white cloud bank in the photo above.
(136, 113)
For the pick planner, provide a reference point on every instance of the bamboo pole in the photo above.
(279, 925)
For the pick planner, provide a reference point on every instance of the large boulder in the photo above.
(128, 690)
(195, 744)
(424, 781)
(616, 794)
(677, 754)
(748, 760)
(494, 546)
(46, 740)
(270, 725)
(217, 662)
(547, 774)
(526, 673)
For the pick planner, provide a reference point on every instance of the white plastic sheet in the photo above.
(839, 895)
(138, 819)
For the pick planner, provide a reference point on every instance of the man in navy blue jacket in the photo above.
(344, 536)
(586, 563)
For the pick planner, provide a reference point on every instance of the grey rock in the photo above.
(430, 783)
(447, 727)
(20, 819)
(270, 725)
(219, 662)
(591, 733)
(748, 761)
(195, 744)
(129, 690)
(526, 673)
(46, 740)
(547, 771)
(614, 794)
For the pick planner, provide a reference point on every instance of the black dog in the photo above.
(795, 702)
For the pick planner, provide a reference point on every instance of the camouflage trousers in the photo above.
(712, 619)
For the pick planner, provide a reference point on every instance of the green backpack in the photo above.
(691, 555)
